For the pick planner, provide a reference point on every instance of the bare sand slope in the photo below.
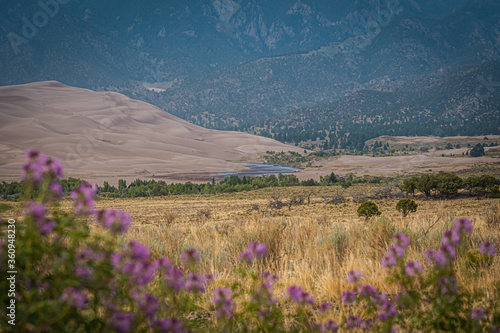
(367, 165)
(108, 134)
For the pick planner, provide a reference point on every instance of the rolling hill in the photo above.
(462, 102)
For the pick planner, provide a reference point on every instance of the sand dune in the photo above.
(108, 134)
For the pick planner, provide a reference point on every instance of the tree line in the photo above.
(442, 184)
(445, 184)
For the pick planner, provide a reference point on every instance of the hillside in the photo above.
(463, 102)
(107, 133)
(406, 48)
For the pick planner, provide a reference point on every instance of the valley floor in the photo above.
(313, 244)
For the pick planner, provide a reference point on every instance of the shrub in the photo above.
(425, 184)
(410, 185)
(477, 151)
(368, 209)
(406, 206)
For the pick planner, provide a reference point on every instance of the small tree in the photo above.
(410, 185)
(425, 184)
(368, 209)
(477, 151)
(406, 206)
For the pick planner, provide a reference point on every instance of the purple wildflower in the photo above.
(448, 285)
(353, 276)
(84, 198)
(195, 282)
(324, 307)
(33, 168)
(246, 256)
(190, 257)
(55, 168)
(353, 322)
(366, 325)
(149, 305)
(463, 225)
(297, 294)
(56, 191)
(263, 294)
(140, 273)
(413, 268)
(487, 249)
(389, 261)
(349, 297)
(171, 325)
(269, 277)
(316, 327)
(73, 297)
(162, 264)
(387, 311)
(478, 314)
(447, 251)
(254, 251)
(401, 241)
(451, 238)
(37, 212)
(84, 272)
(222, 299)
(116, 260)
(430, 254)
(114, 220)
(331, 326)
(379, 298)
(444, 256)
(120, 321)
(367, 291)
(174, 279)
(46, 226)
(137, 251)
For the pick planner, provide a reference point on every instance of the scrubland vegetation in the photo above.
(276, 259)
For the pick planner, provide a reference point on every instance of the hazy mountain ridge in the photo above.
(407, 48)
(230, 64)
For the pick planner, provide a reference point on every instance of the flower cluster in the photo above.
(400, 244)
(298, 295)
(190, 258)
(116, 221)
(254, 251)
(223, 300)
(135, 264)
(353, 276)
(84, 198)
(451, 241)
(36, 211)
(37, 166)
(73, 297)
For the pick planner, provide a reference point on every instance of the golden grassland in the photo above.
(313, 245)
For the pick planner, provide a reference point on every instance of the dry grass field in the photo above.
(314, 244)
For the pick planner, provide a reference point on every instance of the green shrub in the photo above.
(368, 209)
(406, 206)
